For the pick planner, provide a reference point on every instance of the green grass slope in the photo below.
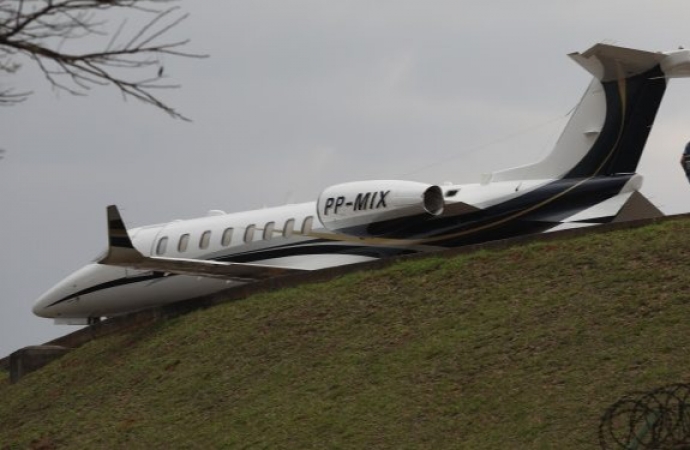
(517, 348)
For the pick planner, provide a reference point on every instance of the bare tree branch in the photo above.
(45, 30)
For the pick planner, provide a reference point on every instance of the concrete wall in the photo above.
(30, 359)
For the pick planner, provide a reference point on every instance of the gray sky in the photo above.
(299, 95)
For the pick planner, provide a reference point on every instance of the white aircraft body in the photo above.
(588, 178)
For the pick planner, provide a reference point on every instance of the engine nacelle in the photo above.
(377, 208)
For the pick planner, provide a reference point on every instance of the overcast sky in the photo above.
(299, 95)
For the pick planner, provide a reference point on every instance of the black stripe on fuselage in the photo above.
(526, 213)
(111, 284)
(316, 249)
(631, 107)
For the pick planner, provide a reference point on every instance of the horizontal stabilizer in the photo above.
(638, 207)
(121, 252)
(609, 62)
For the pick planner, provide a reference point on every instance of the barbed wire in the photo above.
(653, 420)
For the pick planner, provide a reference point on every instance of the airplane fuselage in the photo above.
(588, 178)
(293, 235)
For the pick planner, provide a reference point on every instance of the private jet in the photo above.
(588, 178)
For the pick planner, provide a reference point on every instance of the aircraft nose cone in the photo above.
(62, 299)
(40, 308)
(48, 304)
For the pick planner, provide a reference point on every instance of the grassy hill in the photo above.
(518, 348)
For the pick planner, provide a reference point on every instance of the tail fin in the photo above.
(610, 126)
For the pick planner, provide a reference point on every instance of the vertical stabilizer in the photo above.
(610, 126)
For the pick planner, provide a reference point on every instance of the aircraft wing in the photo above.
(121, 252)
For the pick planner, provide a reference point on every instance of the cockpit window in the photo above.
(162, 245)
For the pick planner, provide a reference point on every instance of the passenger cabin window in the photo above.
(182, 245)
(205, 239)
(249, 233)
(227, 237)
(162, 245)
(288, 228)
(268, 230)
(306, 225)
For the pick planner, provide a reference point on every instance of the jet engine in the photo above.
(378, 208)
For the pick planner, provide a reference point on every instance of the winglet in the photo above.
(117, 232)
(120, 247)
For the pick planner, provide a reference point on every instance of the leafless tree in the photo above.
(77, 46)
